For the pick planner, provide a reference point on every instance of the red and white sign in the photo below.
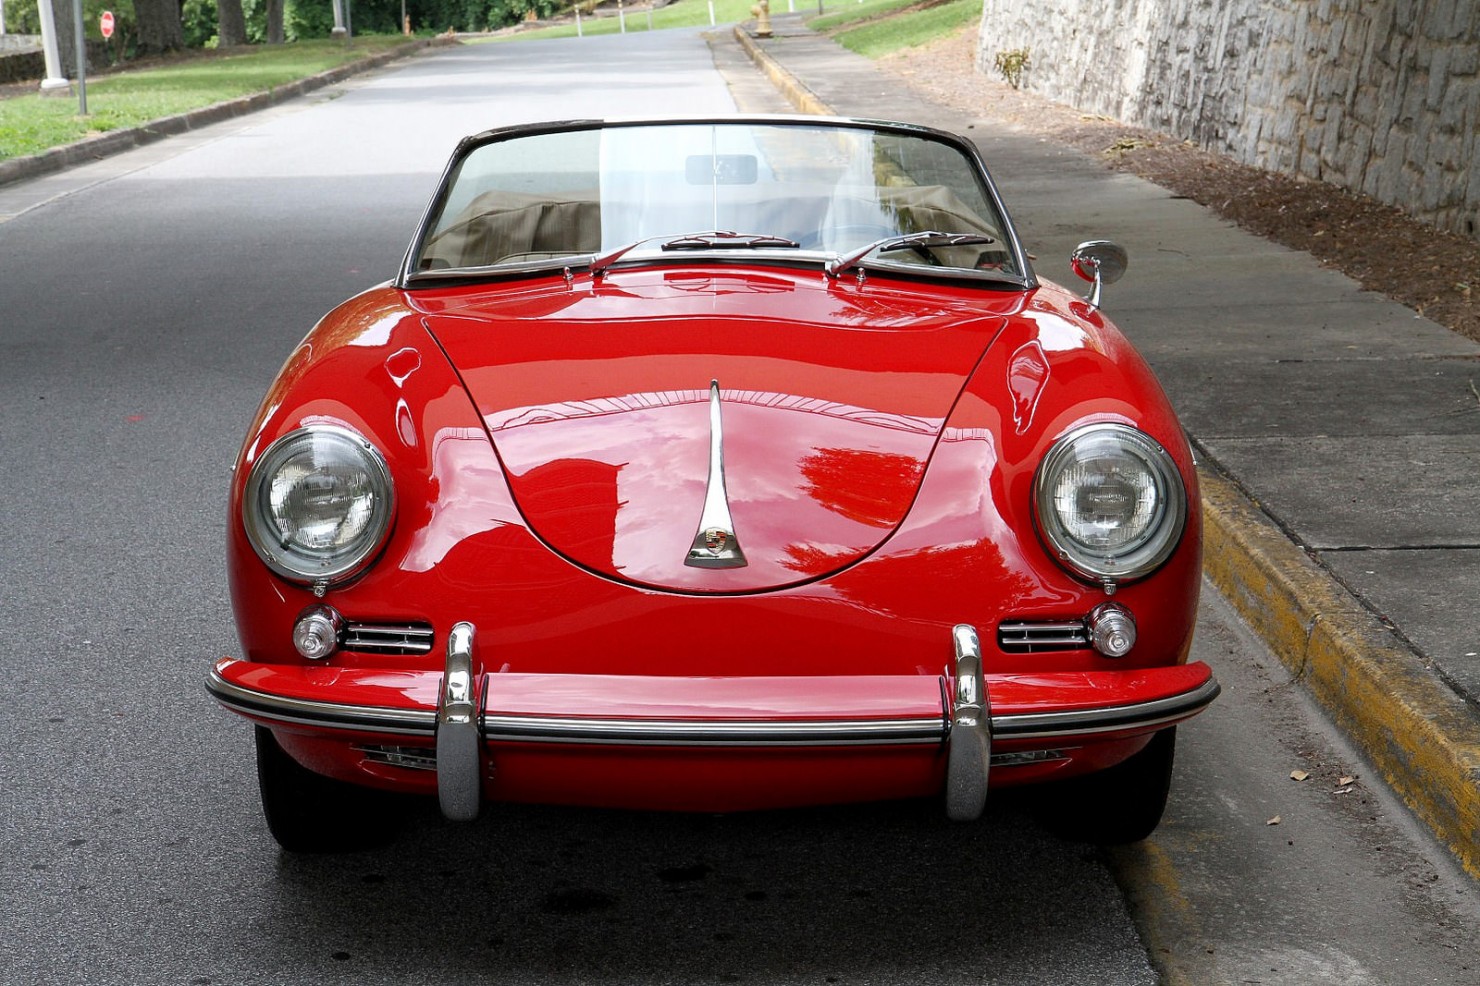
(105, 24)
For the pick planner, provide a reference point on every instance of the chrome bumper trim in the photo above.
(1052, 725)
(969, 757)
(324, 715)
(918, 731)
(550, 729)
(682, 732)
(459, 739)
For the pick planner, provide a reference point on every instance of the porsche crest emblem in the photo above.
(716, 538)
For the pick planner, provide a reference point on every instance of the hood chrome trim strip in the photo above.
(715, 544)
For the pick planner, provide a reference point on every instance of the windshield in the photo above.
(563, 198)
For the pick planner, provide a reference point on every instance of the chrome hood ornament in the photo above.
(715, 545)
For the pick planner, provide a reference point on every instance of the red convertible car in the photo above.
(714, 465)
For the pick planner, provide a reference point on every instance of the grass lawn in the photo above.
(845, 13)
(875, 38)
(33, 123)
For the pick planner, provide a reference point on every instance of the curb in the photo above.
(804, 99)
(1420, 735)
(91, 149)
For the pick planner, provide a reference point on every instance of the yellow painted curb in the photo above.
(1422, 737)
(804, 99)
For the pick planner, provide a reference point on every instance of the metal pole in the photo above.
(579, 32)
(81, 57)
(621, 17)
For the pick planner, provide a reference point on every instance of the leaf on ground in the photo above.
(1274, 821)
(1298, 775)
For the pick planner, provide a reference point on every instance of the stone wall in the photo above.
(21, 58)
(1379, 96)
(19, 42)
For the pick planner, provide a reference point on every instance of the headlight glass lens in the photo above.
(1109, 502)
(318, 504)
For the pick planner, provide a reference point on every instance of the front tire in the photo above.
(309, 813)
(1121, 804)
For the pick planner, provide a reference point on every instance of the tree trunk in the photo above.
(274, 22)
(159, 26)
(66, 26)
(231, 23)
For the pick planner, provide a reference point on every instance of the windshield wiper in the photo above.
(710, 240)
(726, 240)
(927, 240)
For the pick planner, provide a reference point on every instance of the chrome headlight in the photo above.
(1109, 502)
(318, 504)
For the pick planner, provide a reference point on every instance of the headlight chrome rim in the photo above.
(1149, 547)
(275, 546)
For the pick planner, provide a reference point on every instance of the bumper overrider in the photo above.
(464, 714)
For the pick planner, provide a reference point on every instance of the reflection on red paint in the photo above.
(1027, 373)
(873, 488)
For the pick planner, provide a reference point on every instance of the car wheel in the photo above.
(1121, 804)
(309, 813)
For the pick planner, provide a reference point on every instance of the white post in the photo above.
(579, 32)
(53, 83)
(621, 17)
(339, 29)
(711, 13)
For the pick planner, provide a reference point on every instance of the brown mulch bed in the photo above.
(1435, 273)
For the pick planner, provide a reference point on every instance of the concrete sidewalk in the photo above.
(1338, 433)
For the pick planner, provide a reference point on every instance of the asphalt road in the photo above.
(146, 302)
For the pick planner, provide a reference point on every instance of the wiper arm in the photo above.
(600, 263)
(727, 240)
(712, 239)
(926, 240)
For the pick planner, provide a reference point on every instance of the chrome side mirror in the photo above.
(1099, 262)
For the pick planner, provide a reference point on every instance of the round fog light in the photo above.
(316, 634)
(1112, 629)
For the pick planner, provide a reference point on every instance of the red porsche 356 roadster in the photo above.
(714, 465)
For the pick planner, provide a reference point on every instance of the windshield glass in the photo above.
(562, 197)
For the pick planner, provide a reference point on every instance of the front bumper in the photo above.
(467, 715)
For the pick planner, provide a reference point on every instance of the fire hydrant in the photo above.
(762, 12)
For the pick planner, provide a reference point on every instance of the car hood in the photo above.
(598, 402)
